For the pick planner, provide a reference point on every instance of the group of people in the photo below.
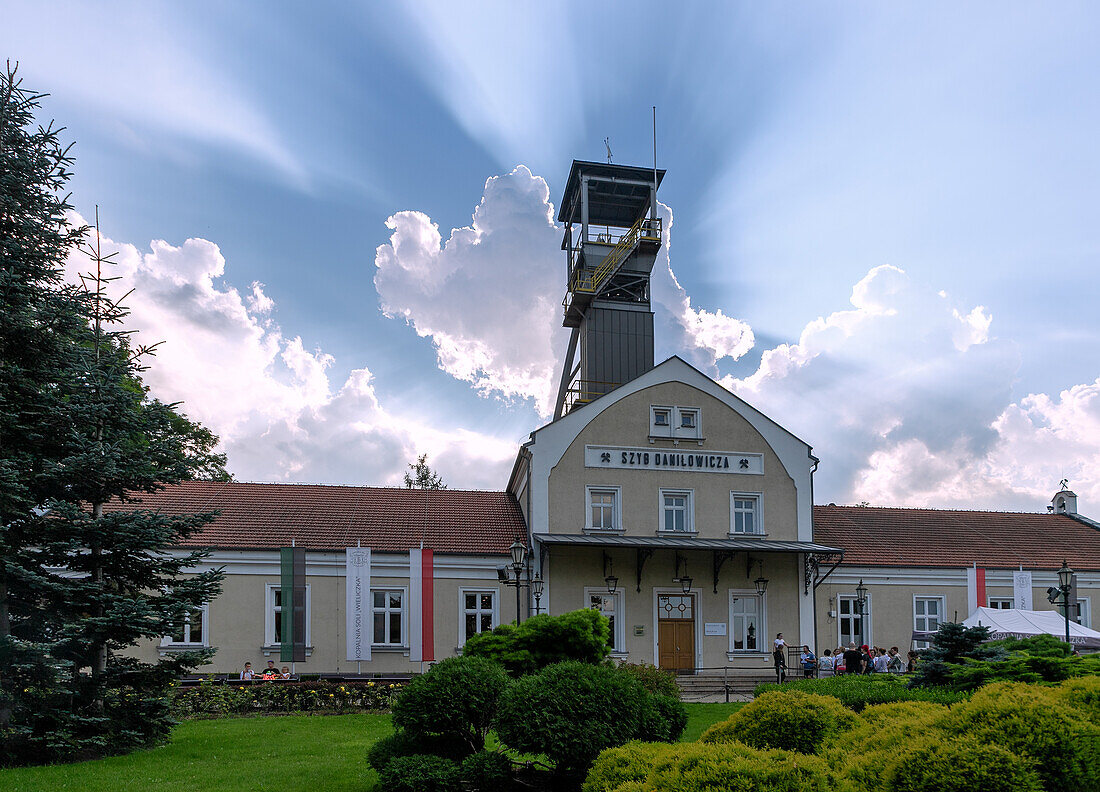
(269, 673)
(853, 660)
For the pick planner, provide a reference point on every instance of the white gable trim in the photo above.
(549, 443)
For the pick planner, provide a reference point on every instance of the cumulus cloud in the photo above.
(489, 297)
(906, 398)
(269, 396)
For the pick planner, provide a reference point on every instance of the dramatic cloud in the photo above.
(906, 399)
(490, 296)
(269, 396)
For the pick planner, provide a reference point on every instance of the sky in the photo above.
(338, 219)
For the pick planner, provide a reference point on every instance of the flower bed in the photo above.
(209, 699)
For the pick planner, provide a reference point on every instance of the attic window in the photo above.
(660, 417)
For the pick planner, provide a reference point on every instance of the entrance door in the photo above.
(676, 631)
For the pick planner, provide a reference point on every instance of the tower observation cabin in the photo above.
(612, 236)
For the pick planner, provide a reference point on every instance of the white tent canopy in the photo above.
(1011, 623)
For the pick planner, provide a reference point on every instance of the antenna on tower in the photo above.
(607, 144)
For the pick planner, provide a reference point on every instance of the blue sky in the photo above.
(812, 154)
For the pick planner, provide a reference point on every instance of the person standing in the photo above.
(881, 662)
(853, 660)
(808, 661)
(893, 662)
(780, 656)
(825, 664)
(867, 659)
(247, 675)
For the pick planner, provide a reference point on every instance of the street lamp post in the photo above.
(536, 589)
(519, 560)
(1065, 586)
(861, 604)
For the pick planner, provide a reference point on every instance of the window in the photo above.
(1001, 603)
(387, 608)
(611, 606)
(745, 513)
(603, 509)
(747, 629)
(660, 422)
(676, 508)
(192, 631)
(478, 613)
(273, 627)
(1080, 612)
(927, 612)
(850, 623)
(687, 419)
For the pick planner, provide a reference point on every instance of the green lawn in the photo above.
(254, 754)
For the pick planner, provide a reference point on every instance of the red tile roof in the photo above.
(874, 536)
(323, 517)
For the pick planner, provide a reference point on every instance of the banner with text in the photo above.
(1021, 590)
(358, 628)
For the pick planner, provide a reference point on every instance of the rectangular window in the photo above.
(273, 625)
(478, 613)
(687, 422)
(927, 613)
(746, 621)
(745, 513)
(388, 611)
(610, 605)
(687, 419)
(192, 631)
(1001, 603)
(660, 422)
(676, 508)
(850, 622)
(603, 509)
(1080, 612)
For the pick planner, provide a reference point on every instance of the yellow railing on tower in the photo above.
(590, 281)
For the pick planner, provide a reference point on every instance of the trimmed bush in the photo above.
(1083, 693)
(487, 771)
(664, 719)
(656, 680)
(421, 773)
(543, 640)
(962, 765)
(630, 763)
(1034, 722)
(570, 712)
(456, 697)
(693, 766)
(209, 699)
(401, 743)
(857, 691)
(862, 753)
(787, 720)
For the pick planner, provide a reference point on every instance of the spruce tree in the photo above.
(81, 440)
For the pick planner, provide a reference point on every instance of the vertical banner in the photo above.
(421, 605)
(292, 604)
(1021, 590)
(975, 589)
(357, 603)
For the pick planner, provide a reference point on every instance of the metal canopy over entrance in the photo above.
(686, 543)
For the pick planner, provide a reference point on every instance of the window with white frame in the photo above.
(850, 622)
(676, 511)
(388, 612)
(687, 422)
(1080, 612)
(660, 422)
(745, 513)
(192, 631)
(927, 613)
(273, 626)
(603, 508)
(747, 629)
(611, 606)
(1001, 603)
(478, 612)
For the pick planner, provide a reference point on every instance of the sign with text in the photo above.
(662, 459)
(714, 628)
(357, 603)
(1021, 590)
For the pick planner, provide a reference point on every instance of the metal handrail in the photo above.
(590, 281)
(581, 391)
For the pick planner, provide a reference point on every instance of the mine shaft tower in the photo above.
(610, 257)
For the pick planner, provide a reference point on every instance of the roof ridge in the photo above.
(846, 506)
(330, 485)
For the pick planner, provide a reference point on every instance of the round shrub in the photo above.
(630, 763)
(1083, 694)
(663, 719)
(654, 679)
(959, 765)
(487, 771)
(571, 712)
(421, 773)
(401, 743)
(883, 730)
(787, 720)
(1033, 722)
(695, 766)
(456, 697)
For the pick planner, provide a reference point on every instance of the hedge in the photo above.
(857, 691)
(208, 699)
(788, 720)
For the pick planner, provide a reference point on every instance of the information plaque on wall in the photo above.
(714, 628)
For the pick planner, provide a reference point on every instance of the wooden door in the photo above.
(676, 644)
